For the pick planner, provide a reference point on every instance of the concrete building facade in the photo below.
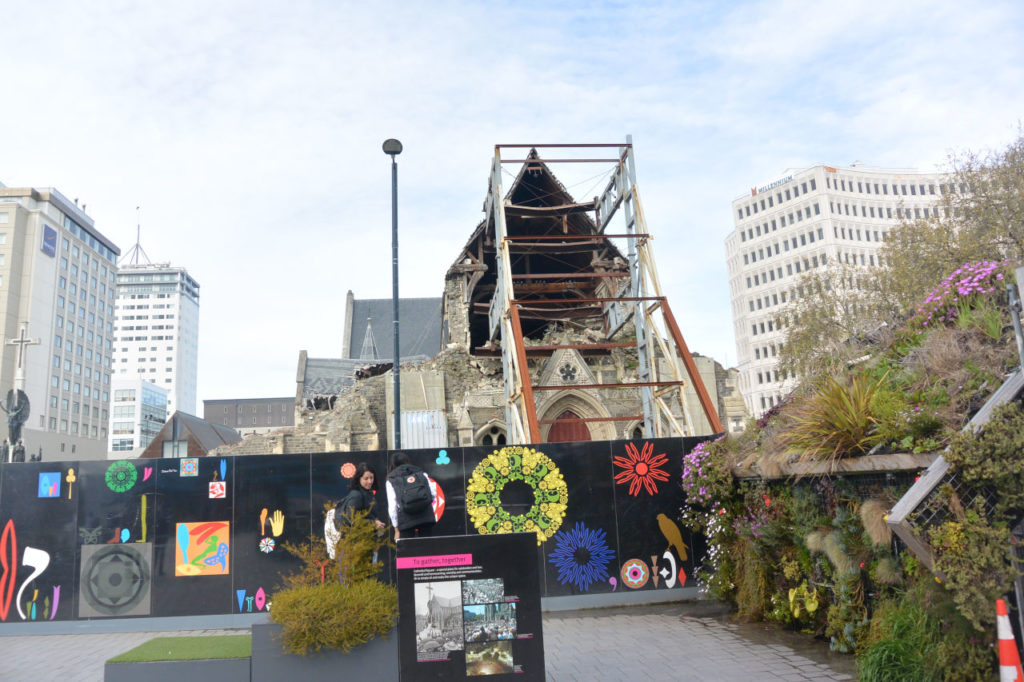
(251, 415)
(807, 219)
(156, 334)
(138, 410)
(57, 285)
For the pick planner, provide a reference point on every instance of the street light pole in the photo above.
(393, 148)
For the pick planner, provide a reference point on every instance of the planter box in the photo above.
(220, 669)
(376, 660)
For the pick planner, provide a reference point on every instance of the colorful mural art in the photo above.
(95, 539)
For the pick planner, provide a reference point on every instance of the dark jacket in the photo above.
(358, 500)
(397, 479)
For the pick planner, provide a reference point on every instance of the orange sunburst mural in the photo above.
(641, 469)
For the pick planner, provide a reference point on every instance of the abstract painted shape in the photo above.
(582, 556)
(220, 558)
(189, 467)
(125, 535)
(443, 458)
(348, 470)
(635, 573)
(517, 463)
(641, 469)
(121, 476)
(49, 484)
(672, 534)
(261, 599)
(142, 517)
(9, 562)
(115, 580)
(56, 601)
(669, 574)
(38, 560)
(210, 544)
(263, 521)
(614, 583)
(223, 469)
(71, 478)
(146, 473)
(218, 490)
(439, 501)
(241, 598)
(267, 545)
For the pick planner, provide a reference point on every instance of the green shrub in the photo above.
(335, 604)
(835, 420)
(334, 616)
(901, 644)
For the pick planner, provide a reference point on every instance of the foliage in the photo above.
(706, 477)
(992, 458)
(335, 603)
(334, 616)
(188, 649)
(952, 299)
(901, 644)
(835, 420)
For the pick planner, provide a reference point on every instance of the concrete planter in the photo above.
(220, 669)
(376, 660)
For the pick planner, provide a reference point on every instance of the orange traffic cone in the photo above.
(1009, 658)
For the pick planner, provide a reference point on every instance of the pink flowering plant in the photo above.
(965, 288)
(707, 481)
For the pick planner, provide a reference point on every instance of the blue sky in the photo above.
(250, 132)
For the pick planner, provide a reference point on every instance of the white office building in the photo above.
(156, 330)
(138, 410)
(57, 282)
(807, 219)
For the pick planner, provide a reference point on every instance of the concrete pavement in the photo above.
(688, 641)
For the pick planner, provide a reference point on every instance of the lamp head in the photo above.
(392, 147)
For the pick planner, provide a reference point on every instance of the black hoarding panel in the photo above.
(38, 541)
(581, 557)
(116, 503)
(469, 605)
(271, 505)
(192, 553)
(655, 552)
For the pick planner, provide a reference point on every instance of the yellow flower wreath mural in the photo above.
(517, 463)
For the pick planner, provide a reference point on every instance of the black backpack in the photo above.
(414, 497)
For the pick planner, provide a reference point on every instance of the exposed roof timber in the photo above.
(569, 275)
(565, 145)
(575, 247)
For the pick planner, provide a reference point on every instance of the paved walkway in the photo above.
(680, 642)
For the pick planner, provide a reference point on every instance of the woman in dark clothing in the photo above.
(361, 495)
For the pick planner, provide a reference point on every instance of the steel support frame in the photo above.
(521, 420)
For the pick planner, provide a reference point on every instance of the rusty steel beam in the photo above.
(548, 211)
(570, 237)
(560, 160)
(593, 419)
(564, 145)
(524, 376)
(570, 275)
(691, 368)
(635, 384)
(545, 248)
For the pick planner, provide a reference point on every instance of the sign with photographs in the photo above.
(469, 605)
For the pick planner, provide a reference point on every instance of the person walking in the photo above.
(411, 497)
(362, 496)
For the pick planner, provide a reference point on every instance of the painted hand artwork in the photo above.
(641, 469)
(202, 548)
(517, 463)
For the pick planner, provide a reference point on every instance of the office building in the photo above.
(57, 289)
(251, 415)
(809, 218)
(138, 410)
(156, 334)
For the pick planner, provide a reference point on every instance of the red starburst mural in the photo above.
(641, 468)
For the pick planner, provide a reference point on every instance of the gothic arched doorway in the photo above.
(567, 428)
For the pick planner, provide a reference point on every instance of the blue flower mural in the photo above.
(582, 556)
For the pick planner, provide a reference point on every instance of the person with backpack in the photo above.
(411, 496)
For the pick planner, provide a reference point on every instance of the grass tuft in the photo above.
(188, 649)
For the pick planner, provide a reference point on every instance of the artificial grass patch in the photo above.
(188, 649)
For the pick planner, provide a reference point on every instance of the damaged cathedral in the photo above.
(551, 327)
